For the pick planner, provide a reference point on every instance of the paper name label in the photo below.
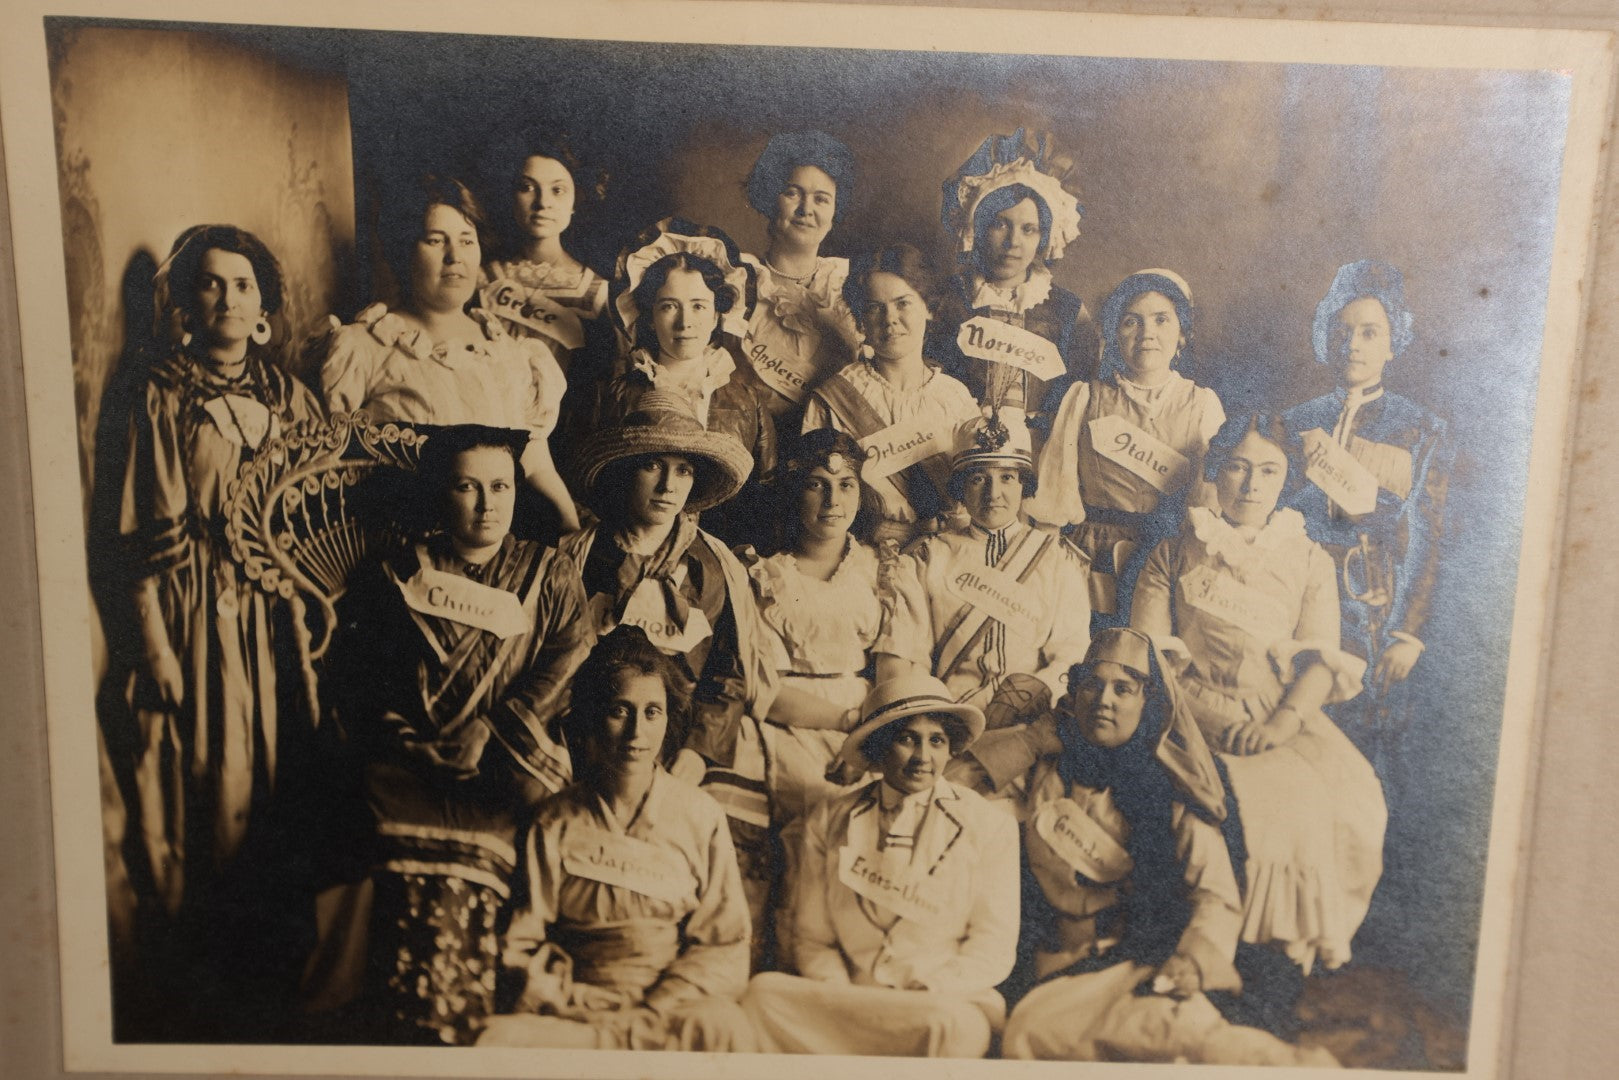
(1223, 596)
(1081, 842)
(862, 871)
(535, 310)
(990, 339)
(1390, 464)
(471, 603)
(999, 595)
(899, 446)
(239, 418)
(1334, 470)
(775, 371)
(648, 610)
(1153, 460)
(625, 862)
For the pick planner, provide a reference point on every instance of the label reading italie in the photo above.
(624, 862)
(899, 446)
(862, 871)
(1081, 842)
(990, 339)
(1223, 596)
(471, 603)
(999, 595)
(776, 371)
(1152, 459)
(1335, 471)
(535, 310)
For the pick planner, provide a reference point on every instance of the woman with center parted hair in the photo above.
(1126, 449)
(218, 707)
(906, 905)
(451, 661)
(1013, 214)
(896, 402)
(647, 563)
(633, 934)
(801, 330)
(1255, 602)
(1135, 913)
(536, 286)
(437, 359)
(682, 297)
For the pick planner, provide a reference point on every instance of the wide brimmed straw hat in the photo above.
(912, 694)
(662, 423)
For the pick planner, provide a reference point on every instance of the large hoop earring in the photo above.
(261, 331)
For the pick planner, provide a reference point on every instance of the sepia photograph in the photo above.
(619, 539)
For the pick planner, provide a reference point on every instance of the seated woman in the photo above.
(1134, 887)
(1126, 449)
(450, 664)
(1255, 601)
(1013, 215)
(997, 610)
(896, 403)
(822, 602)
(682, 297)
(435, 359)
(907, 902)
(634, 932)
(801, 330)
(648, 564)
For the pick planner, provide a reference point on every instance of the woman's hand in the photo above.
(164, 668)
(1248, 737)
(688, 766)
(1284, 724)
(1395, 665)
(1179, 977)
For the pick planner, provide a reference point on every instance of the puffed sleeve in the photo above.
(1317, 634)
(713, 960)
(1151, 609)
(907, 626)
(817, 415)
(817, 955)
(989, 947)
(549, 384)
(1210, 937)
(349, 367)
(1070, 635)
(1056, 499)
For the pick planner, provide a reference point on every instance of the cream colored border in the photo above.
(59, 533)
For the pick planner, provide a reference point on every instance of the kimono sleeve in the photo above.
(713, 960)
(522, 958)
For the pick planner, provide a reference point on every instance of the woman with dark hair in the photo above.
(451, 662)
(1011, 334)
(436, 359)
(634, 930)
(896, 403)
(538, 288)
(802, 330)
(1126, 449)
(1135, 915)
(682, 297)
(217, 700)
(1379, 471)
(906, 905)
(1255, 602)
(647, 563)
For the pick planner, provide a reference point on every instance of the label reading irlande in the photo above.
(906, 897)
(899, 446)
(991, 339)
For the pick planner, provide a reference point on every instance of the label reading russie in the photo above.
(1333, 469)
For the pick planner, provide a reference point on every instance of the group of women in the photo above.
(769, 620)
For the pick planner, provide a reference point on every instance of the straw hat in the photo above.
(912, 694)
(990, 441)
(662, 423)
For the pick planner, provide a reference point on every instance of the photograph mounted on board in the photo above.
(888, 548)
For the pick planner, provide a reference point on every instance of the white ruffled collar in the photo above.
(1237, 545)
(1029, 293)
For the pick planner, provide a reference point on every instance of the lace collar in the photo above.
(1026, 294)
(1237, 545)
(717, 369)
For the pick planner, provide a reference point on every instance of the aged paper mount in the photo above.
(37, 234)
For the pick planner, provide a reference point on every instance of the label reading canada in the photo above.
(776, 371)
(1152, 459)
(1081, 842)
(1335, 471)
(471, 603)
(999, 595)
(535, 310)
(862, 870)
(624, 862)
(899, 446)
(990, 339)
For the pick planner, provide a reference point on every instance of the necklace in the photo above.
(799, 280)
